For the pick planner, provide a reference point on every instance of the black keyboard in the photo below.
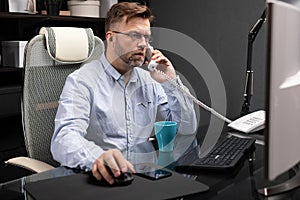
(225, 156)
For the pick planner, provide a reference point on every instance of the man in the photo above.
(111, 104)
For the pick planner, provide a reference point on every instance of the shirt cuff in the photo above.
(169, 86)
(95, 153)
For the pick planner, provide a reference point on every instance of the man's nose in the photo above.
(142, 43)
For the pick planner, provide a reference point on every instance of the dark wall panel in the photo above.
(221, 27)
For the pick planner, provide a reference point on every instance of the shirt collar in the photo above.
(109, 68)
(114, 73)
(134, 76)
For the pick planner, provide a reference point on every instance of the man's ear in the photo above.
(108, 36)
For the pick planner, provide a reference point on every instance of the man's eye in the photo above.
(136, 35)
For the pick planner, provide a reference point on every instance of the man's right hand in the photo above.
(115, 161)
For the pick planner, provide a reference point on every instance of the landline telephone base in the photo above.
(249, 123)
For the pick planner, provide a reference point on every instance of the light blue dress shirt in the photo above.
(97, 112)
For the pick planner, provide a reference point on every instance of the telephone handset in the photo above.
(152, 64)
(248, 123)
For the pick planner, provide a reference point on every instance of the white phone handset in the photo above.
(249, 123)
(152, 64)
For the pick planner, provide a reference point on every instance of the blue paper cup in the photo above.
(165, 132)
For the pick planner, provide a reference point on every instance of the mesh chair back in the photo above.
(44, 79)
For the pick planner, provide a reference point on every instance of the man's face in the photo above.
(130, 43)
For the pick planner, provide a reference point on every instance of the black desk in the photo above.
(240, 184)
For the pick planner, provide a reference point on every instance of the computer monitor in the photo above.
(282, 133)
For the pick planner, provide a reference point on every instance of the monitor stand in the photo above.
(288, 185)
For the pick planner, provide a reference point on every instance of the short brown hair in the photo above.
(129, 9)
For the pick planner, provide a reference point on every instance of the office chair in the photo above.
(49, 58)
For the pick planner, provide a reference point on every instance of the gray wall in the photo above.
(221, 27)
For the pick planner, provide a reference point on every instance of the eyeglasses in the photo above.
(136, 36)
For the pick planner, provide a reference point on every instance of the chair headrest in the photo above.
(68, 44)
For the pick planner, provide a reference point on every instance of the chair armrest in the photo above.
(30, 164)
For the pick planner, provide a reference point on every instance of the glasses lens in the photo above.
(148, 38)
(138, 36)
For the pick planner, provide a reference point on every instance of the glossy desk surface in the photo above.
(242, 183)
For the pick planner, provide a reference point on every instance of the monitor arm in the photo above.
(248, 89)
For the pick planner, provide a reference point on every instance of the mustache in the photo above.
(142, 53)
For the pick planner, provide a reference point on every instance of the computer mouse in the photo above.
(124, 179)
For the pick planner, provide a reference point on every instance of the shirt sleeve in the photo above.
(68, 145)
(179, 107)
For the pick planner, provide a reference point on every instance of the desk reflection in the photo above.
(139, 154)
(245, 180)
(148, 153)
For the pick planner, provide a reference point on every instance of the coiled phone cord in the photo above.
(152, 67)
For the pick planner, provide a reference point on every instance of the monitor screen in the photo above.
(283, 88)
(282, 132)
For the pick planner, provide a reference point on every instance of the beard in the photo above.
(135, 62)
(132, 58)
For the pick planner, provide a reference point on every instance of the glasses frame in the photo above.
(135, 36)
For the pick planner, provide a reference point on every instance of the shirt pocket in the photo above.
(144, 113)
